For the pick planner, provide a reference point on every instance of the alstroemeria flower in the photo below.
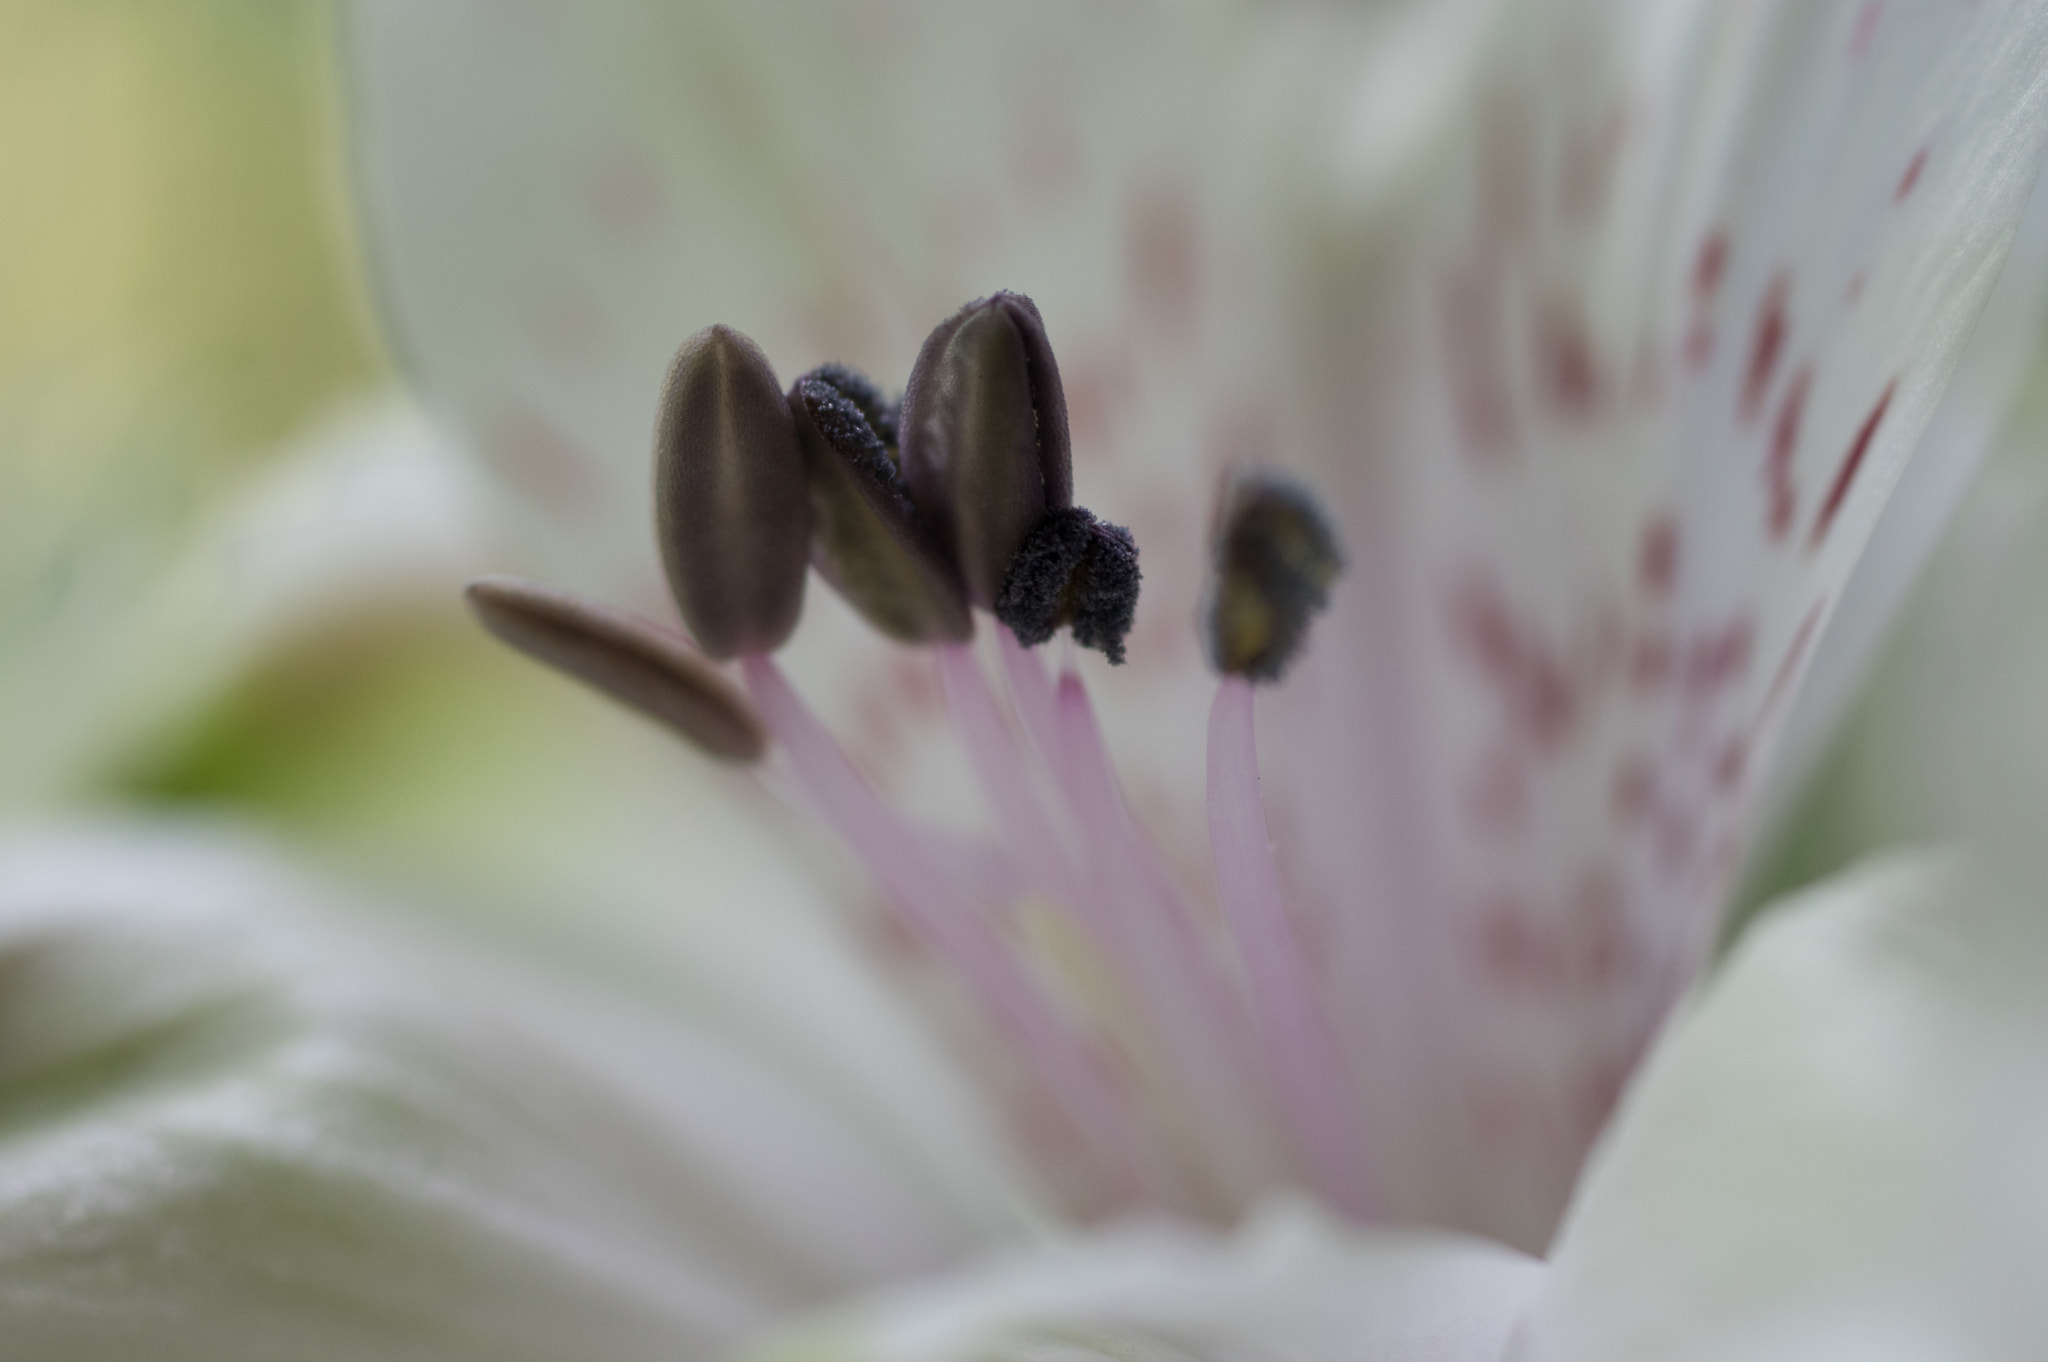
(1601, 332)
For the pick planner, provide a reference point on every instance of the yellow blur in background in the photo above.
(179, 297)
(182, 307)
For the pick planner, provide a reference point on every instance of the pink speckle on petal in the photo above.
(1484, 627)
(1675, 834)
(1162, 256)
(1716, 658)
(624, 192)
(1516, 951)
(1699, 343)
(1536, 695)
(1768, 346)
(1851, 462)
(1911, 176)
(1781, 497)
(1564, 354)
(1657, 556)
(536, 454)
(1497, 801)
(1865, 30)
(1600, 922)
(1508, 163)
(1481, 396)
(1652, 662)
(1730, 764)
(1633, 790)
(1707, 270)
(1709, 266)
(570, 332)
(1587, 165)
(1788, 665)
(1854, 293)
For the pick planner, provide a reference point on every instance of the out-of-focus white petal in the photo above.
(1610, 380)
(367, 512)
(1840, 1150)
(1290, 1284)
(238, 1118)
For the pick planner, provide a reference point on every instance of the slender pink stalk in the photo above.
(1160, 949)
(932, 907)
(1303, 1053)
(1032, 694)
(1020, 815)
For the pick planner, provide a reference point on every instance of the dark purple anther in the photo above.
(870, 543)
(985, 448)
(639, 664)
(1077, 571)
(731, 511)
(1276, 555)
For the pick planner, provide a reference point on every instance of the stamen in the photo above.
(1302, 1050)
(1151, 933)
(857, 388)
(935, 908)
(985, 444)
(731, 510)
(1275, 559)
(1073, 570)
(639, 664)
(1001, 772)
(1276, 556)
(870, 542)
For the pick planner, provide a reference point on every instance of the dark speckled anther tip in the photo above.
(1276, 555)
(869, 542)
(732, 513)
(985, 446)
(1078, 571)
(636, 663)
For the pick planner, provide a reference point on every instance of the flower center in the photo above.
(1160, 1050)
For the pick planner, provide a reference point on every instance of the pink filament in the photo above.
(936, 909)
(999, 768)
(1120, 896)
(1302, 1051)
(1160, 946)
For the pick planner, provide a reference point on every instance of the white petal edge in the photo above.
(1974, 410)
(239, 1118)
(1840, 1150)
(1290, 1284)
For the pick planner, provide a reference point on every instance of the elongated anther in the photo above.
(731, 510)
(1276, 555)
(868, 540)
(639, 664)
(985, 444)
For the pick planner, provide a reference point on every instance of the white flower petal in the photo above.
(1611, 379)
(235, 1123)
(2002, 351)
(1840, 1151)
(1948, 739)
(1289, 1285)
(1513, 778)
